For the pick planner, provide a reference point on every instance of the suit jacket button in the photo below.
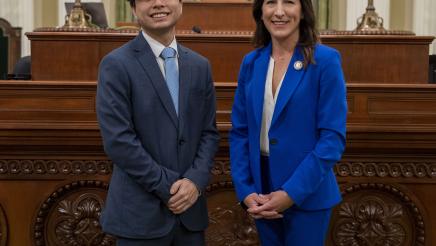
(181, 142)
(273, 141)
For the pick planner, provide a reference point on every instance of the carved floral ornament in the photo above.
(377, 215)
(229, 224)
(70, 216)
(370, 215)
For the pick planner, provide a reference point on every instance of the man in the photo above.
(156, 110)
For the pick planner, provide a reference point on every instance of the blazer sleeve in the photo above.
(199, 172)
(121, 143)
(331, 125)
(239, 142)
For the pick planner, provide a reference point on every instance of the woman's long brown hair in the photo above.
(308, 37)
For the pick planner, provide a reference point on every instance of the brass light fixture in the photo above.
(370, 21)
(78, 18)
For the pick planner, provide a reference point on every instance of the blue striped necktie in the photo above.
(171, 75)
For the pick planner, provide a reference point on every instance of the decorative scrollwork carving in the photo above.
(221, 167)
(78, 222)
(70, 216)
(363, 169)
(377, 215)
(229, 224)
(52, 167)
(384, 169)
(370, 222)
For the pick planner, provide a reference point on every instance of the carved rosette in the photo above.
(70, 216)
(377, 215)
(3, 228)
(229, 224)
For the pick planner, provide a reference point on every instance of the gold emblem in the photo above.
(78, 18)
(298, 65)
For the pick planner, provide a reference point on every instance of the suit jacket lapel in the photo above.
(185, 83)
(260, 69)
(290, 83)
(146, 58)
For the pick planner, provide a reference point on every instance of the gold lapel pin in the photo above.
(298, 65)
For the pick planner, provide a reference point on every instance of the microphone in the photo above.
(196, 29)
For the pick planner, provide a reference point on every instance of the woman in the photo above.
(288, 132)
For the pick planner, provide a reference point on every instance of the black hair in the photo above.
(132, 3)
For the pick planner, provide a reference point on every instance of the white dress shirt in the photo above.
(157, 48)
(269, 103)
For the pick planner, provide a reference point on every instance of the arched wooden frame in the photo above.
(14, 42)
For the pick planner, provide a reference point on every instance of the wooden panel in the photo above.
(383, 59)
(224, 98)
(77, 55)
(77, 61)
(217, 15)
(25, 104)
(225, 56)
(391, 107)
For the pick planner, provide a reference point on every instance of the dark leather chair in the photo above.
(10, 44)
(22, 69)
(432, 69)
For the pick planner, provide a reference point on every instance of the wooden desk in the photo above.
(367, 59)
(54, 173)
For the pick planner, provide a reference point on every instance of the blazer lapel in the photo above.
(260, 69)
(290, 83)
(185, 84)
(146, 58)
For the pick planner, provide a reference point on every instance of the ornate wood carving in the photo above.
(376, 215)
(363, 169)
(387, 169)
(70, 216)
(229, 224)
(222, 167)
(3, 228)
(55, 167)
